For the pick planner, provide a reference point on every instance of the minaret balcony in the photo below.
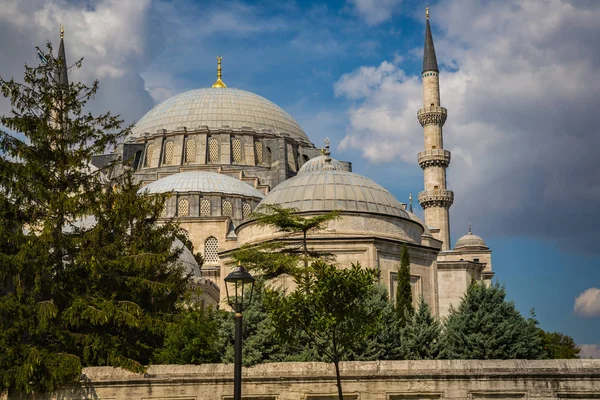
(432, 115)
(436, 198)
(434, 158)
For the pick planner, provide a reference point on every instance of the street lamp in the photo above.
(237, 285)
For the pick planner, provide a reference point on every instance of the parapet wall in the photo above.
(389, 380)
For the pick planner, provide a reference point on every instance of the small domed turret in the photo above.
(470, 241)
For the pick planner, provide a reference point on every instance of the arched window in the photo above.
(185, 233)
(183, 209)
(149, 154)
(163, 212)
(436, 187)
(246, 210)
(269, 157)
(305, 159)
(433, 147)
(258, 153)
(211, 250)
(169, 146)
(204, 208)
(213, 150)
(236, 150)
(227, 209)
(190, 151)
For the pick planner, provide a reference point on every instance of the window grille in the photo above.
(204, 208)
(149, 154)
(190, 151)
(258, 152)
(213, 150)
(169, 152)
(184, 208)
(236, 149)
(227, 209)
(211, 250)
(163, 213)
(246, 210)
(185, 233)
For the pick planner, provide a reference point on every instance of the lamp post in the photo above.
(237, 285)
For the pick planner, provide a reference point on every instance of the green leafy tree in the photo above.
(485, 326)
(328, 307)
(192, 339)
(404, 306)
(558, 346)
(74, 294)
(421, 335)
(283, 256)
(384, 341)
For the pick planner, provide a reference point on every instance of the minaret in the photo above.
(436, 199)
(61, 76)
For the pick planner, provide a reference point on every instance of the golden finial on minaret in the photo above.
(62, 31)
(427, 12)
(219, 83)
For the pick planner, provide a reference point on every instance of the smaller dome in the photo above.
(203, 182)
(317, 164)
(186, 259)
(470, 241)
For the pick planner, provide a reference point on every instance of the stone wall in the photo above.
(389, 380)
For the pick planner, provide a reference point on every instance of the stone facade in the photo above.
(382, 380)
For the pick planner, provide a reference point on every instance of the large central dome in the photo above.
(218, 108)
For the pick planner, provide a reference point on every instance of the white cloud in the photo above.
(376, 11)
(587, 304)
(517, 90)
(589, 351)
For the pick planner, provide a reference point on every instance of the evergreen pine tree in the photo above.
(74, 293)
(485, 326)
(421, 335)
(404, 307)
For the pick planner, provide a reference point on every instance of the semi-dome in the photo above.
(202, 182)
(331, 189)
(318, 163)
(470, 241)
(219, 107)
(186, 259)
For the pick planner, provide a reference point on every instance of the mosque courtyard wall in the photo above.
(377, 380)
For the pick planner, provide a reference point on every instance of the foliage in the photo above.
(421, 335)
(273, 259)
(74, 294)
(485, 326)
(384, 342)
(192, 339)
(558, 346)
(404, 307)
(328, 307)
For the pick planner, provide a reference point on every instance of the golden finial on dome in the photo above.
(62, 31)
(427, 12)
(219, 83)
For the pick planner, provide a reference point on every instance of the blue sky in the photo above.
(519, 80)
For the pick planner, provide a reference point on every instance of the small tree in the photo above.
(558, 346)
(404, 306)
(273, 259)
(485, 326)
(421, 335)
(328, 307)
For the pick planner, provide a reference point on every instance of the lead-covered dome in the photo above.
(330, 189)
(470, 241)
(202, 182)
(219, 107)
(318, 163)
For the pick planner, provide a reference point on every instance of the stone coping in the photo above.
(438, 369)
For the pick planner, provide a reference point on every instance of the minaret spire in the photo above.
(219, 83)
(410, 202)
(436, 199)
(61, 75)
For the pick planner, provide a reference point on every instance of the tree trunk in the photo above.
(336, 362)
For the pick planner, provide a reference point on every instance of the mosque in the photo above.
(222, 152)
